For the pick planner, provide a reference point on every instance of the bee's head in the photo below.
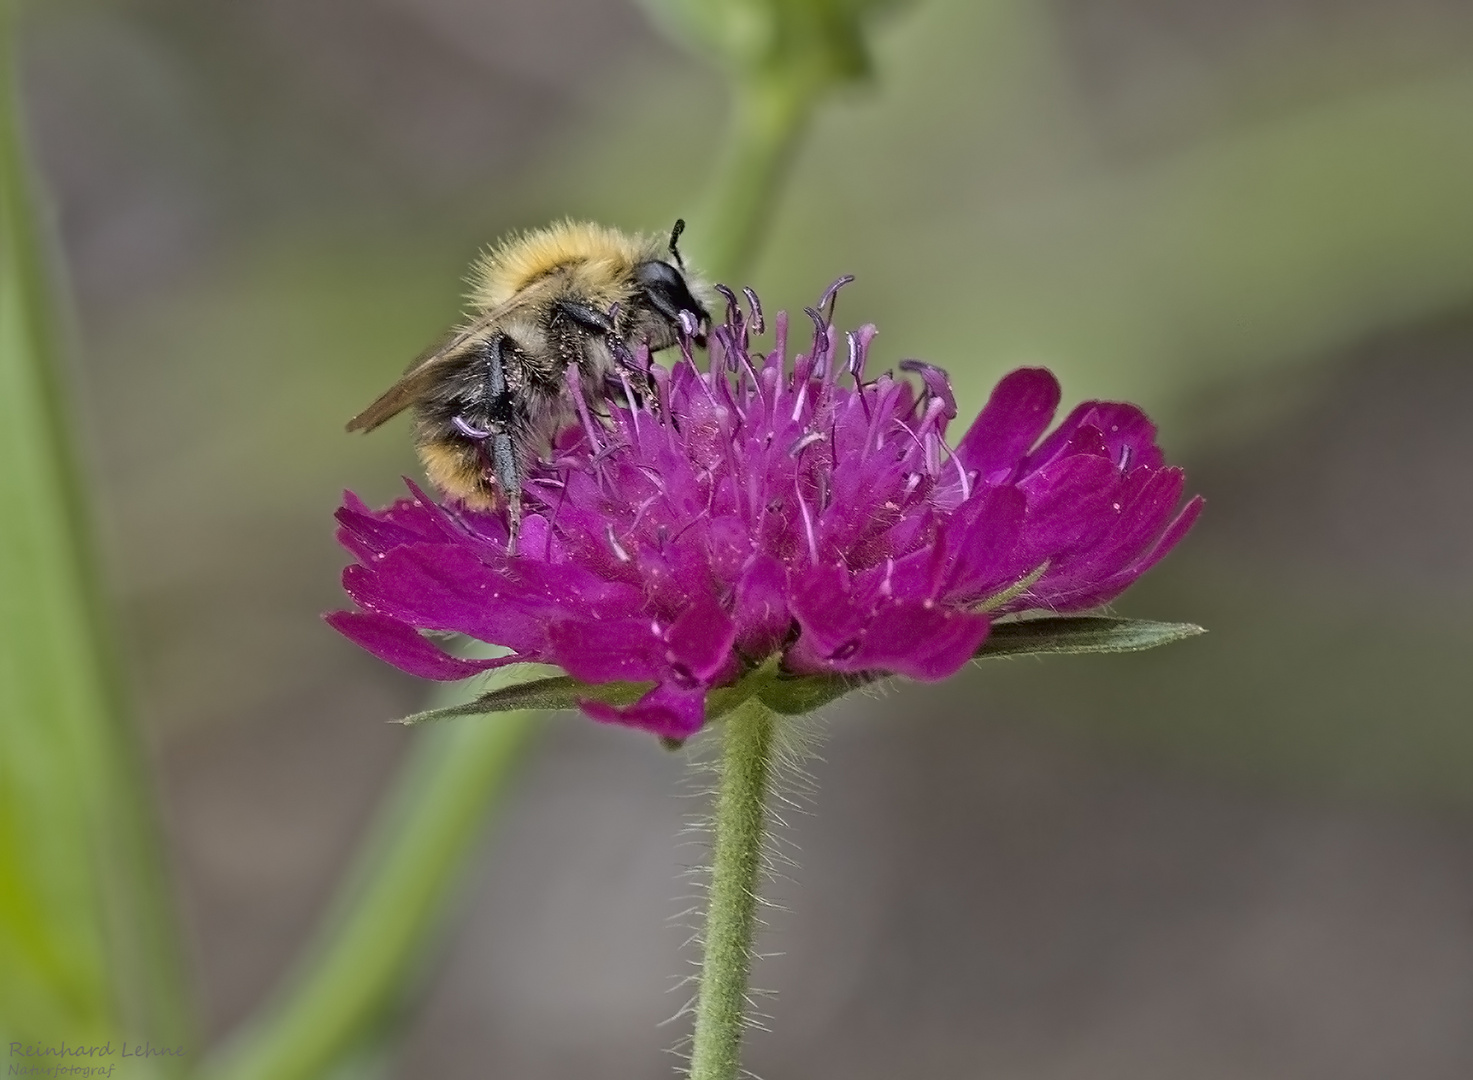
(664, 292)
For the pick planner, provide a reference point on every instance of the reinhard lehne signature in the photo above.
(62, 1059)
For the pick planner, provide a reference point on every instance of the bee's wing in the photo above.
(426, 368)
(419, 378)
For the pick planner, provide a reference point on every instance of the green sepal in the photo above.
(1081, 634)
(551, 693)
(797, 695)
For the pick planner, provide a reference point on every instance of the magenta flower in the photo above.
(795, 521)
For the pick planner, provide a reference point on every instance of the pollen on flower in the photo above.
(764, 509)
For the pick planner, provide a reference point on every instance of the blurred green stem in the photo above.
(740, 826)
(769, 116)
(388, 908)
(87, 940)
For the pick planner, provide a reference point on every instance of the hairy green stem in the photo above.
(731, 910)
(769, 115)
(389, 907)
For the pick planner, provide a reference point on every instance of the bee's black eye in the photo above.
(665, 289)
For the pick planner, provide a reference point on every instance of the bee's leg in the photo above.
(594, 329)
(646, 393)
(503, 377)
(588, 317)
(504, 461)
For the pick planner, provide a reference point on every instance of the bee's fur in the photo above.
(494, 392)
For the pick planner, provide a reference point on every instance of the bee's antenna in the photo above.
(674, 237)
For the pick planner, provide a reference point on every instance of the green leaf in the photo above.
(86, 937)
(795, 696)
(1081, 634)
(556, 692)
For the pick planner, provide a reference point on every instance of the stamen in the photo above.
(863, 393)
(468, 431)
(938, 385)
(859, 351)
(818, 353)
(831, 296)
(640, 512)
(633, 404)
(720, 347)
(552, 522)
(802, 399)
(733, 310)
(689, 324)
(1125, 459)
(607, 452)
(807, 521)
(661, 379)
(961, 471)
(759, 324)
(619, 552)
(935, 408)
(903, 426)
(653, 475)
(747, 371)
(626, 359)
(805, 442)
(575, 387)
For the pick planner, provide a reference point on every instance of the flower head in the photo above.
(805, 514)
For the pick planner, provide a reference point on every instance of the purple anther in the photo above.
(806, 441)
(689, 324)
(831, 295)
(733, 310)
(469, 432)
(759, 324)
(937, 383)
(619, 552)
(819, 353)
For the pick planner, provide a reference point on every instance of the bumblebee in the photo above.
(494, 391)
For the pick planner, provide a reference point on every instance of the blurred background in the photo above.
(1249, 855)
